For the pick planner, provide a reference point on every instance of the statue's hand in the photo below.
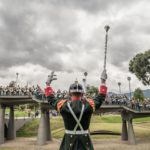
(103, 81)
(51, 78)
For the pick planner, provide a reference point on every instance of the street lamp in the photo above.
(85, 80)
(84, 83)
(129, 79)
(104, 74)
(17, 74)
(85, 74)
(119, 84)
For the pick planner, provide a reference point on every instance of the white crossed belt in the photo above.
(75, 131)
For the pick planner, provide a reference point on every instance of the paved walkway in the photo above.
(103, 144)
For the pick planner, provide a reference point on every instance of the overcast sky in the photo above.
(68, 36)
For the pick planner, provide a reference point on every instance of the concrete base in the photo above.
(2, 121)
(11, 125)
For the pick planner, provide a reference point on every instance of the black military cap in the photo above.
(76, 88)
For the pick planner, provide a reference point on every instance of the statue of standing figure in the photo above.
(76, 113)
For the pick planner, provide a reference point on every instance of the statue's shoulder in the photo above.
(90, 101)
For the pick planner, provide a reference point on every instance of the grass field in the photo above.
(18, 113)
(106, 122)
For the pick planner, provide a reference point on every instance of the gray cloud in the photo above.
(42, 32)
(20, 43)
(94, 6)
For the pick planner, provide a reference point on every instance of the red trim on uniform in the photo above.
(103, 89)
(75, 98)
(60, 104)
(91, 103)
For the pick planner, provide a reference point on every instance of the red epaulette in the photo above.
(60, 104)
(91, 103)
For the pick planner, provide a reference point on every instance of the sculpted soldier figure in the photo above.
(76, 113)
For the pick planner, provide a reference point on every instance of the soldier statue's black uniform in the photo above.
(76, 113)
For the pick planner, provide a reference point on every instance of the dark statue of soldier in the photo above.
(76, 113)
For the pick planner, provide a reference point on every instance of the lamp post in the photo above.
(85, 81)
(119, 84)
(104, 73)
(17, 74)
(129, 79)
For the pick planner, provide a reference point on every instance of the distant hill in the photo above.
(145, 92)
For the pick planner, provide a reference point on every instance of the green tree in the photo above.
(22, 107)
(91, 90)
(140, 66)
(138, 94)
(33, 106)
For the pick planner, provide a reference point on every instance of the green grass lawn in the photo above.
(115, 119)
(105, 122)
(18, 113)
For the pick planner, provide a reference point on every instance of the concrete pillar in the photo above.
(2, 121)
(48, 130)
(42, 135)
(124, 135)
(11, 134)
(131, 135)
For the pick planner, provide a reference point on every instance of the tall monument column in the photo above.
(2, 121)
(11, 125)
